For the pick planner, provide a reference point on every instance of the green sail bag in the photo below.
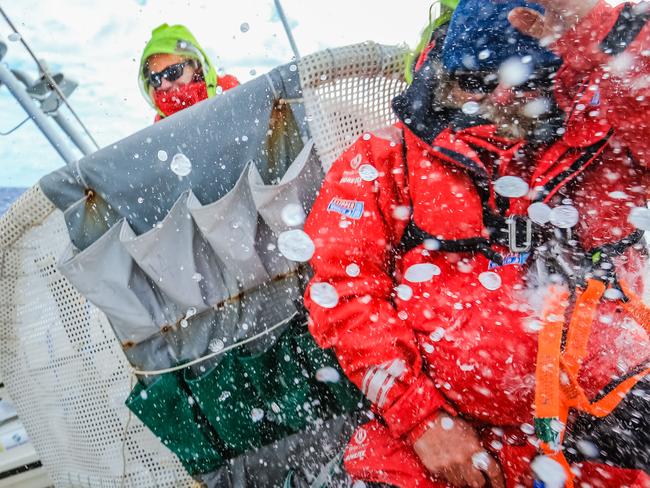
(167, 410)
(231, 405)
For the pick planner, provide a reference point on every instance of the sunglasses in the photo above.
(170, 73)
(488, 82)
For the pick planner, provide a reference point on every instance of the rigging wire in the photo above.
(49, 78)
(15, 128)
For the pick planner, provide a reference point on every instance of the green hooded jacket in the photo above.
(176, 39)
(447, 8)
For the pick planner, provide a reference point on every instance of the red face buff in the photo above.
(171, 101)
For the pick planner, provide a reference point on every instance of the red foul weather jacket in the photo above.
(419, 330)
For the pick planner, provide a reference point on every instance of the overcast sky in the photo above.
(98, 44)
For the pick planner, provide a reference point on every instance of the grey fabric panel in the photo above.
(166, 254)
(123, 292)
(305, 453)
(230, 226)
(219, 136)
(298, 187)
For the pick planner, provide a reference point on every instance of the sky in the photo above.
(98, 44)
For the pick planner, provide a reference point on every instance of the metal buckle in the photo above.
(512, 235)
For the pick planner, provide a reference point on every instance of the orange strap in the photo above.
(557, 388)
(547, 374)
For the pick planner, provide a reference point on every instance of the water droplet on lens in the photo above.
(352, 270)
(490, 280)
(324, 294)
(328, 375)
(244, 27)
(471, 108)
(511, 187)
(564, 216)
(640, 218)
(404, 292)
(419, 273)
(293, 214)
(181, 165)
(162, 155)
(296, 245)
(539, 212)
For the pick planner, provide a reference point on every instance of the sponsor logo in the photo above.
(350, 177)
(510, 259)
(356, 161)
(355, 455)
(349, 208)
(360, 436)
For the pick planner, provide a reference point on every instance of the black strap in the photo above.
(629, 24)
(414, 236)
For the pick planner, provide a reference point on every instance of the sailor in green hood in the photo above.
(175, 71)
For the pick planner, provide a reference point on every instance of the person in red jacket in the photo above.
(176, 73)
(441, 241)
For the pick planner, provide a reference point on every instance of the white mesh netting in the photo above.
(347, 91)
(59, 359)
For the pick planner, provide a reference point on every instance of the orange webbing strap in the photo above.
(547, 375)
(635, 307)
(557, 388)
(582, 318)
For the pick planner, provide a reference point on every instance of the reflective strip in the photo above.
(366, 379)
(379, 380)
(375, 384)
(383, 395)
(396, 368)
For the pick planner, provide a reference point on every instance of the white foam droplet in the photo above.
(490, 280)
(352, 270)
(367, 172)
(162, 155)
(296, 245)
(588, 449)
(401, 212)
(293, 214)
(324, 294)
(437, 335)
(181, 165)
(216, 345)
(419, 273)
(537, 107)
(539, 212)
(564, 216)
(640, 218)
(511, 187)
(471, 108)
(197, 277)
(514, 72)
(404, 292)
(328, 375)
(447, 423)
(257, 414)
(550, 472)
(481, 460)
(613, 294)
